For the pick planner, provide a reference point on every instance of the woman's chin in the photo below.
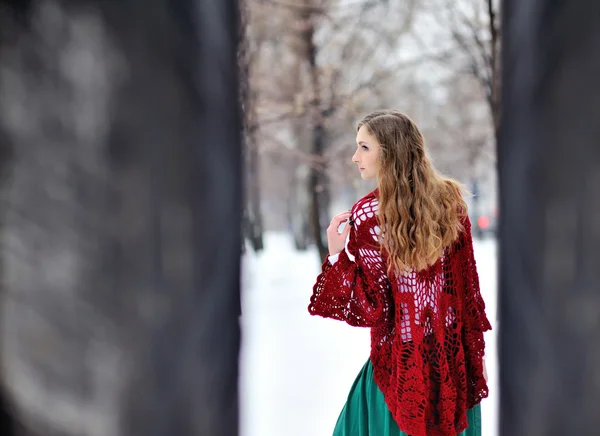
(365, 176)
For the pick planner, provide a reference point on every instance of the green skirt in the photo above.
(367, 414)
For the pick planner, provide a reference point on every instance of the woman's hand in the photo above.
(336, 240)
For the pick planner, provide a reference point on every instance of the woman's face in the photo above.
(367, 154)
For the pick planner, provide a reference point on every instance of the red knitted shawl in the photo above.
(426, 327)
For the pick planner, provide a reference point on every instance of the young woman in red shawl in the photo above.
(404, 267)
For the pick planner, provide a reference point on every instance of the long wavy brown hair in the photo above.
(419, 209)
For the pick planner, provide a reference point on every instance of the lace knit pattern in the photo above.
(426, 327)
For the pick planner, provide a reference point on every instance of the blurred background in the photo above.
(310, 70)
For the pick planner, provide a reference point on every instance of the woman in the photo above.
(407, 272)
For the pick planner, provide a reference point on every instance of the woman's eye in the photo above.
(364, 147)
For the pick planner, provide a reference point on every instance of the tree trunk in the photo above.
(298, 203)
(549, 161)
(255, 229)
(318, 183)
(253, 222)
(495, 88)
(318, 186)
(121, 208)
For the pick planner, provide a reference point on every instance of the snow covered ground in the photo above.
(296, 370)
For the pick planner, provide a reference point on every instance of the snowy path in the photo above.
(296, 370)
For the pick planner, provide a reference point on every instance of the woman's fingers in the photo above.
(346, 230)
(335, 239)
(340, 218)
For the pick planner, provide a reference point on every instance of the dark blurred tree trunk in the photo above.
(549, 158)
(121, 206)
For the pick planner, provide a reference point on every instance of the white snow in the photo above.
(296, 369)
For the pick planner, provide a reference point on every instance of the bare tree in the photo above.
(331, 87)
(474, 27)
(248, 52)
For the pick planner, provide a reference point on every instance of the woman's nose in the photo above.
(355, 157)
